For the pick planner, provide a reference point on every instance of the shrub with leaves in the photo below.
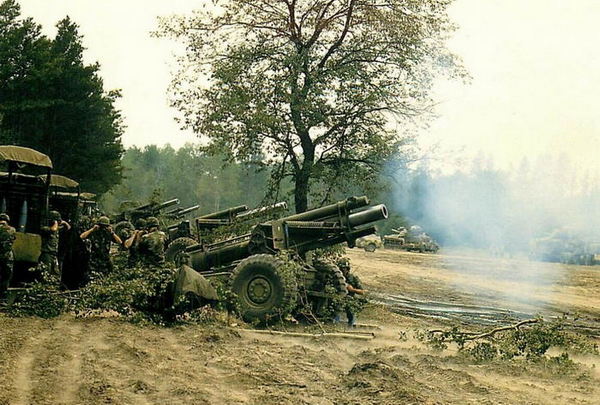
(39, 299)
(528, 340)
(132, 292)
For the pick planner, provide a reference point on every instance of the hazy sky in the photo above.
(535, 68)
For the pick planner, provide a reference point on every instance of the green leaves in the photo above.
(51, 101)
(314, 86)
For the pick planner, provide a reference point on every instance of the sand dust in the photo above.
(108, 361)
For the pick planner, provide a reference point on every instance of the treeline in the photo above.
(161, 173)
(155, 173)
(480, 206)
(51, 101)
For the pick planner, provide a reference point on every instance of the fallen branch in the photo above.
(367, 326)
(347, 335)
(475, 336)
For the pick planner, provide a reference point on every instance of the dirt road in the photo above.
(108, 361)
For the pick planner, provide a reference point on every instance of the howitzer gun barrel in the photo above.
(157, 207)
(189, 209)
(225, 214)
(371, 214)
(181, 212)
(211, 223)
(256, 212)
(173, 212)
(328, 211)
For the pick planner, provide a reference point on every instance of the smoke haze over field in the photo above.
(504, 210)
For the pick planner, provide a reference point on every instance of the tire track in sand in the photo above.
(50, 363)
(69, 374)
(23, 376)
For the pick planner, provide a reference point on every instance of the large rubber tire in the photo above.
(178, 246)
(370, 247)
(262, 289)
(332, 275)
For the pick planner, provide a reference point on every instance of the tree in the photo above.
(53, 102)
(188, 174)
(314, 85)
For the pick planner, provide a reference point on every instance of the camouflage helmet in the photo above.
(54, 216)
(140, 223)
(4, 217)
(103, 220)
(152, 222)
(343, 263)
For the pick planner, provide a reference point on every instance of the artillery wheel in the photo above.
(333, 276)
(178, 246)
(370, 247)
(263, 288)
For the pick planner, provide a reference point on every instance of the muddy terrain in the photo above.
(70, 360)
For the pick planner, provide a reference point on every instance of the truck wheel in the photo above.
(333, 276)
(371, 247)
(263, 290)
(176, 247)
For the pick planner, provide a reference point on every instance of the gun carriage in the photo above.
(254, 263)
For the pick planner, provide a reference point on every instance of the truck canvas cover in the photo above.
(24, 155)
(57, 180)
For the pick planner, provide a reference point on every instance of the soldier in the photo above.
(133, 242)
(101, 235)
(50, 240)
(353, 285)
(152, 244)
(7, 237)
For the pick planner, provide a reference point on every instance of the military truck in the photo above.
(562, 246)
(412, 240)
(28, 191)
(369, 243)
(24, 187)
(254, 264)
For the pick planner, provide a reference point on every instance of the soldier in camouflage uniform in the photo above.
(50, 240)
(352, 303)
(133, 243)
(101, 236)
(7, 237)
(152, 244)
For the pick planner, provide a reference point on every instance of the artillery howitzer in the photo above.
(125, 220)
(144, 211)
(179, 213)
(562, 246)
(413, 240)
(207, 223)
(264, 285)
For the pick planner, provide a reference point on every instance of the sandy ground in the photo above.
(108, 361)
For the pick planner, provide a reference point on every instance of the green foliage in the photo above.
(51, 101)
(188, 174)
(530, 342)
(135, 293)
(312, 89)
(39, 299)
(482, 352)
